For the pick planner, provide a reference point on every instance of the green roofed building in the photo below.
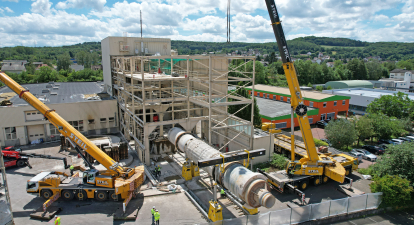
(349, 84)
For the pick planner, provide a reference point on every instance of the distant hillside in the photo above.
(338, 48)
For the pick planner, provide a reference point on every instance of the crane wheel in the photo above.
(20, 163)
(325, 179)
(304, 185)
(101, 196)
(46, 193)
(81, 195)
(113, 196)
(67, 195)
(316, 181)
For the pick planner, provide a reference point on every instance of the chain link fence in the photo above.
(309, 212)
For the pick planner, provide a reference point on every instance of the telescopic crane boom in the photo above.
(313, 164)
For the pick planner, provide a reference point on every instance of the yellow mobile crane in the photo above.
(314, 167)
(115, 183)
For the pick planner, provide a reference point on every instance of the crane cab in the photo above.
(89, 176)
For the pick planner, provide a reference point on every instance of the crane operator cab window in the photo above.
(89, 176)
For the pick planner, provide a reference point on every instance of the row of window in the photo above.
(78, 125)
(288, 100)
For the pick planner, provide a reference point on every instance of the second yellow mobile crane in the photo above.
(315, 167)
(115, 183)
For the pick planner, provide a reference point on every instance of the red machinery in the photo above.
(17, 158)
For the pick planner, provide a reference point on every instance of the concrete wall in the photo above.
(15, 117)
(112, 46)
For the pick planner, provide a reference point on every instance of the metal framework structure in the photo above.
(156, 93)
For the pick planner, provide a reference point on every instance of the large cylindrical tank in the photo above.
(249, 186)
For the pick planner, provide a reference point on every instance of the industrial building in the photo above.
(80, 103)
(274, 105)
(360, 98)
(349, 84)
(156, 91)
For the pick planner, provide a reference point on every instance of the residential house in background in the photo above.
(96, 67)
(76, 67)
(14, 66)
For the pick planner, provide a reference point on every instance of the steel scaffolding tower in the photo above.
(6, 215)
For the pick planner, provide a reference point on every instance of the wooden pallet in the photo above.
(51, 211)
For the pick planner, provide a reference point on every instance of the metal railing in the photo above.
(309, 212)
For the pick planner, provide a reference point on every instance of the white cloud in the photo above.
(10, 0)
(381, 18)
(94, 4)
(41, 7)
(8, 10)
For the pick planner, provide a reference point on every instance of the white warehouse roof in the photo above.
(373, 93)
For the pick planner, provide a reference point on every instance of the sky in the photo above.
(67, 22)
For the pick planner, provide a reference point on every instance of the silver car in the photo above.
(365, 154)
(357, 155)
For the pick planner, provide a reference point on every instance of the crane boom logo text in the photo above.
(78, 141)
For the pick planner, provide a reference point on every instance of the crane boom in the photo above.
(64, 127)
(297, 101)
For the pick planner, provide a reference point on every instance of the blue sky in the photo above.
(66, 22)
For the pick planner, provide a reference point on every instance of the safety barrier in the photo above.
(309, 212)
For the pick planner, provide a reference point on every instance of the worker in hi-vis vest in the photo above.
(57, 220)
(153, 212)
(157, 217)
(71, 169)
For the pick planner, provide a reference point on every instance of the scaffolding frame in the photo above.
(187, 90)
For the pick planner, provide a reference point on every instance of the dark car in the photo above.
(321, 123)
(385, 141)
(383, 146)
(374, 149)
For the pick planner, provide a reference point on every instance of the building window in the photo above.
(343, 102)
(288, 100)
(324, 104)
(78, 125)
(103, 120)
(91, 121)
(274, 97)
(310, 120)
(258, 94)
(281, 98)
(334, 103)
(268, 95)
(10, 133)
(281, 125)
(111, 119)
(53, 130)
(310, 104)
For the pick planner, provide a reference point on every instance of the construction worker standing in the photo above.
(158, 170)
(71, 169)
(157, 217)
(222, 193)
(153, 212)
(57, 220)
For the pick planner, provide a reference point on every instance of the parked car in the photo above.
(374, 149)
(397, 141)
(405, 139)
(356, 155)
(386, 141)
(410, 137)
(365, 154)
(383, 146)
(321, 123)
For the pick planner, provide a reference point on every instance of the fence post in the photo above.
(366, 202)
(330, 202)
(347, 207)
(310, 212)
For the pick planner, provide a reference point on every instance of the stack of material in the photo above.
(62, 141)
(123, 151)
(115, 152)
(5, 98)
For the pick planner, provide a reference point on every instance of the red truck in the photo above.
(15, 157)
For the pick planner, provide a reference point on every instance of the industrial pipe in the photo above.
(249, 186)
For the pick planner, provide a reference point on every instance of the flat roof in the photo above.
(278, 110)
(59, 92)
(307, 95)
(374, 93)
